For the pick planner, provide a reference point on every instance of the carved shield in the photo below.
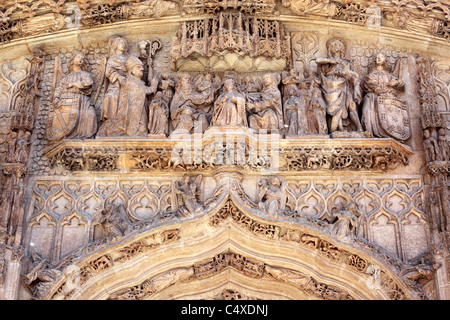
(64, 119)
(394, 117)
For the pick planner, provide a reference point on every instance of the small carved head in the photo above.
(228, 84)
(117, 45)
(336, 48)
(78, 59)
(275, 182)
(134, 66)
(186, 179)
(380, 59)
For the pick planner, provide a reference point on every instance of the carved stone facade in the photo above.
(199, 149)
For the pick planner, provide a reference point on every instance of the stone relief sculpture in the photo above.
(188, 195)
(431, 146)
(158, 115)
(271, 197)
(18, 147)
(347, 222)
(183, 111)
(229, 108)
(295, 112)
(40, 276)
(115, 73)
(192, 102)
(74, 115)
(289, 79)
(340, 86)
(380, 102)
(132, 110)
(317, 122)
(266, 107)
(111, 223)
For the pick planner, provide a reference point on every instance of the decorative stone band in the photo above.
(29, 18)
(255, 153)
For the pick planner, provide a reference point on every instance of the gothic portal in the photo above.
(213, 149)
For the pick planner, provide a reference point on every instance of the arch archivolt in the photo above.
(228, 251)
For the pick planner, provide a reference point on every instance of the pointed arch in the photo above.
(228, 247)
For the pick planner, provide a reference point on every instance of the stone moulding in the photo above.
(82, 273)
(242, 151)
(29, 18)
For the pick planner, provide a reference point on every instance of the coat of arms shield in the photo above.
(394, 117)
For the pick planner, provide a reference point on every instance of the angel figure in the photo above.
(271, 197)
(348, 222)
(113, 77)
(112, 223)
(381, 99)
(74, 113)
(188, 194)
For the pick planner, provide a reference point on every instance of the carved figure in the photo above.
(271, 197)
(229, 108)
(290, 276)
(317, 121)
(115, 72)
(251, 86)
(443, 143)
(431, 146)
(347, 223)
(340, 86)
(188, 194)
(166, 87)
(18, 147)
(289, 80)
(295, 117)
(266, 108)
(132, 115)
(184, 106)
(113, 221)
(158, 115)
(74, 114)
(40, 276)
(382, 86)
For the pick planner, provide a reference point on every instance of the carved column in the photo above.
(15, 169)
(438, 169)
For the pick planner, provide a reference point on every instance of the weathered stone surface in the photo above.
(161, 149)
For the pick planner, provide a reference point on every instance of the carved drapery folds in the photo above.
(234, 105)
